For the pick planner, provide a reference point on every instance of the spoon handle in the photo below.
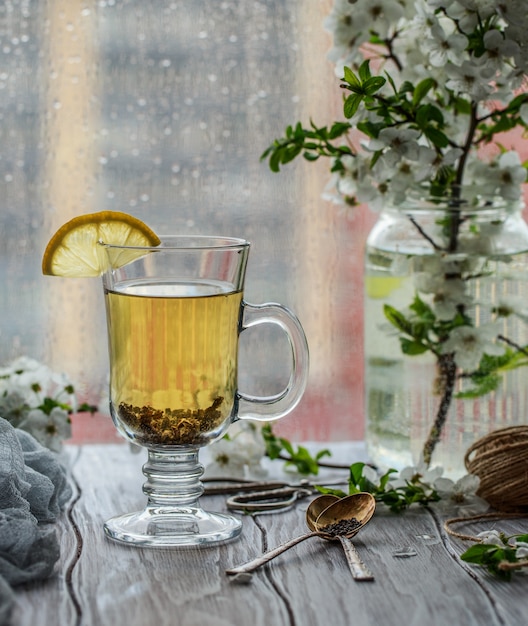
(251, 566)
(359, 570)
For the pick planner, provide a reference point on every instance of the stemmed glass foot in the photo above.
(172, 516)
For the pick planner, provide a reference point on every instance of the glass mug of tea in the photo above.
(174, 315)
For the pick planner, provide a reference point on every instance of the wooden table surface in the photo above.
(99, 582)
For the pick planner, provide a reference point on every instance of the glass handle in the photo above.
(268, 408)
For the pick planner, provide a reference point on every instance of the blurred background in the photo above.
(162, 110)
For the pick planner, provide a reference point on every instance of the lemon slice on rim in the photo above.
(75, 250)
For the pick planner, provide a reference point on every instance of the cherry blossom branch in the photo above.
(425, 235)
(448, 377)
(512, 344)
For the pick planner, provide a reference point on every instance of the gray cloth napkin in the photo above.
(33, 489)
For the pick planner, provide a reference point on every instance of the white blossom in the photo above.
(416, 473)
(499, 49)
(515, 15)
(349, 30)
(491, 538)
(33, 381)
(470, 343)
(448, 294)
(239, 453)
(461, 495)
(443, 47)
(38, 400)
(371, 474)
(396, 143)
(49, 430)
(523, 112)
(440, 4)
(521, 549)
(511, 305)
(469, 79)
(511, 174)
(433, 39)
(502, 177)
(484, 8)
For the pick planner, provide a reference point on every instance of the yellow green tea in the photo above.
(174, 351)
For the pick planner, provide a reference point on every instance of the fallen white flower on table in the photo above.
(414, 474)
(461, 495)
(239, 453)
(490, 537)
(521, 549)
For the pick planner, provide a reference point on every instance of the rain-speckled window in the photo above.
(162, 109)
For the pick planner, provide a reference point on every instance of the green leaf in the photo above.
(426, 114)
(274, 161)
(422, 89)
(437, 137)
(299, 131)
(356, 472)
(504, 124)
(462, 106)
(322, 453)
(422, 309)
(87, 408)
(352, 104)
(370, 129)
(490, 556)
(517, 102)
(391, 82)
(272, 443)
(397, 319)
(412, 348)
(406, 87)
(337, 166)
(485, 385)
(386, 477)
(267, 152)
(299, 458)
(48, 404)
(351, 78)
(488, 375)
(338, 129)
(332, 492)
(375, 158)
(420, 329)
(373, 85)
(287, 445)
(289, 153)
(364, 71)
(303, 461)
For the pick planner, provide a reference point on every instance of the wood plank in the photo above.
(429, 588)
(507, 596)
(140, 586)
(309, 585)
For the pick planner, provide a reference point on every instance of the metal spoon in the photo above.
(327, 518)
(358, 569)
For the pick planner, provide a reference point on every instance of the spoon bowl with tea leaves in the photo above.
(328, 517)
(337, 530)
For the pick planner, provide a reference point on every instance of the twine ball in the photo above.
(500, 460)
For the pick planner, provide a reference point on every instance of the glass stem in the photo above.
(173, 478)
